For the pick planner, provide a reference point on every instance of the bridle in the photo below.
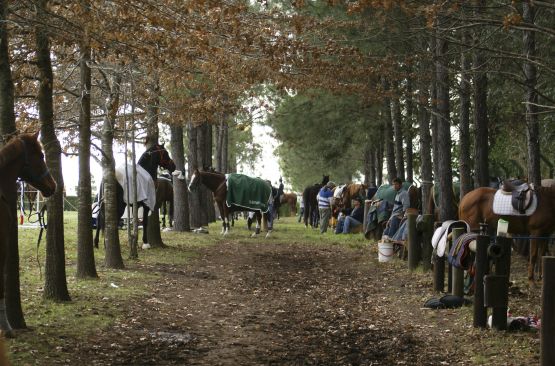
(27, 174)
(163, 162)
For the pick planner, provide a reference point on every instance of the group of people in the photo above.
(351, 218)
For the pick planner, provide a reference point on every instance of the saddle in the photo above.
(521, 195)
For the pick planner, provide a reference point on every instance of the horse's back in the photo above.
(477, 206)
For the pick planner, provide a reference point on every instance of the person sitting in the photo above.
(347, 223)
(324, 205)
(400, 205)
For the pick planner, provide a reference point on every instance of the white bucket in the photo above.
(385, 251)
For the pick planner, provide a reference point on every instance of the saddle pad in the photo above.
(338, 193)
(247, 192)
(502, 205)
(146, 191)
(439, 239)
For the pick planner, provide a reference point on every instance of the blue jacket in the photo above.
(324, 197)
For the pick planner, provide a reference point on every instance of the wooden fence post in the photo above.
(547, 337)
(480, 311)
(413, 243)
(427, 233)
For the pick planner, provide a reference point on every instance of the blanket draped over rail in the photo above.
(247, 192)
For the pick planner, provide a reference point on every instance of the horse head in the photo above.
(156, 156)
(34, 170)
(325, 180)
(195, 180)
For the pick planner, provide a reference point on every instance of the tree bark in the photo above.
(388, 129)
(379, 160)
(465, 161)
(447, 206)
(154, 236)
(434, 114)
(398, 133)
(55, 285)
(531, 96)
(225, 148)
(425, 146)
(113, 258)
(207, 157)
(10, 276)
(481, 148)
(194, 199)
(409, 134)
(86, 267)
(201, 159)
(180, 192)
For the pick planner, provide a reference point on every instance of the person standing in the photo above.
(324, 205)
(400, 205)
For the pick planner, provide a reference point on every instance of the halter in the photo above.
(27, 173)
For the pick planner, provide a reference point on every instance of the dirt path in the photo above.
(284, 304)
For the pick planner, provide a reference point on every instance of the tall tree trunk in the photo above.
(112, 257)
(194, 198)
(219, 145)
(388, 130)
(154, 236)
(481, 149)
(203, 191)
(447, 206)
(409, 132)
(425, 146)
(464, 127)
(225, 148)
(434, 113)
(86, 267)
(207, 158)
(55, 285)
(180, 192)
(531, 98)
(12, 294)
(398, 132)
(379, 160)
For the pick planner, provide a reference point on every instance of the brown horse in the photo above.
(477, 207)
(216, 182)
(291, 200)
(21, 157)
(164, 199)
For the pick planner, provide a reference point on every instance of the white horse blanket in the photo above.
(146, 191)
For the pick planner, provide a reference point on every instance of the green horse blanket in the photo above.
(247, 192)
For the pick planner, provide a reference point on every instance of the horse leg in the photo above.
(532, 260)
(270, 222)
(99, 224)
(146, 245)
(258, 219)
(164, 211)
(306, 214)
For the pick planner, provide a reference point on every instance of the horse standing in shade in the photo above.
(477, 207)
(21, 157)
(291, 200)
(150, 160)
(164, 199)
(216, 182)
(311, 203)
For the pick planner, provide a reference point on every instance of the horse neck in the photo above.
(10, 162)
(152, 169)
(212, 180)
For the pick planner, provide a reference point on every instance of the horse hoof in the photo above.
(267, 235)
(146, 246)
(254, 235)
